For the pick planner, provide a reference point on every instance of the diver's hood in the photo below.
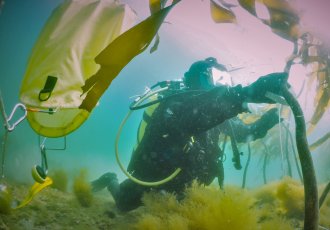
(205, 74)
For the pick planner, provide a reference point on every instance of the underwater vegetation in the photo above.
(54, 209)
(276, 205)
(60, 180)
(325, 208)
(290, 194)
(209, 208)
(280, 205)
(82, 189)
(285, 197)
(5, 199)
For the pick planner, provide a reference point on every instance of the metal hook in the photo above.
(7, 125)
(43, 152)
(12, 127)
(44, 164)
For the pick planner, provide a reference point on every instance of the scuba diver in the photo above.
(181, 130)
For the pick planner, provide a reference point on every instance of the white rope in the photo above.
(3, 154)
(281, 143)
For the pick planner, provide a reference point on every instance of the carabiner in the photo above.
(12, 127)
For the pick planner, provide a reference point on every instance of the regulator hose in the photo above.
(122, 167)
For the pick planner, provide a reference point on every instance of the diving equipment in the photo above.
(7, 119)
(9, 125)
(135, 105)
(200, 76)
(237, 155)
(38, 174)
(55, 75)
(265, 89)
(174, 87)
(167, 89)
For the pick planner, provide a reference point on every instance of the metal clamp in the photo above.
(11, 127)
(8, 126)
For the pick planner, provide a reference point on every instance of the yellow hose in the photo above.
(145, 183)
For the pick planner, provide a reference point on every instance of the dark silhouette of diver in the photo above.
(182, 131)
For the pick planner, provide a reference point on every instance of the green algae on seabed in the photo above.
(54, 209)
(275, 204)
(60, 180)
(82, 189)
(5, 199)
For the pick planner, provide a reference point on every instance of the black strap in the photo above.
(46, 92)
(236, 158)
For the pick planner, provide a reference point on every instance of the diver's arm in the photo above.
(250, 132)
(206, 110)
(199, 112)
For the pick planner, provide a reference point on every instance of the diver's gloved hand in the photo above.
(104, 181)
(265, 123)
(257, 91)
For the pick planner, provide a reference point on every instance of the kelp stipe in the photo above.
(309, 178)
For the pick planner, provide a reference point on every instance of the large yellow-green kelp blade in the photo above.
(118, 54)
(221, 14)
(156, 5)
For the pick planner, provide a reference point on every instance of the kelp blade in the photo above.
(284, 21)
(248, 5)
(118, 54)
(220, 14)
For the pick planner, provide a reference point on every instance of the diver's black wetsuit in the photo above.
(183, 131)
